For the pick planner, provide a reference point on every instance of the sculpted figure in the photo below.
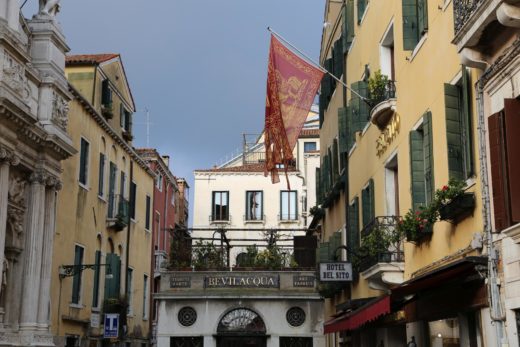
(49, 7)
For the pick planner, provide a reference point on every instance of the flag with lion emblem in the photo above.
(292, 84)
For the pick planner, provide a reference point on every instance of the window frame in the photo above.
(289, 192)
(213, 206)
(247, 214)
(85, 163)
(77, 277)
(305, 143)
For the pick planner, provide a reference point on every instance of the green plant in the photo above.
(377, 87)
(180, 250)
(452, 190)
(207, 256)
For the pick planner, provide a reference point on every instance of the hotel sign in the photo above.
(242, 281)
(335, 272)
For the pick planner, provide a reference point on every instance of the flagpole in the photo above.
(317, 65)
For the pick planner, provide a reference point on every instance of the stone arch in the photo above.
(241, 320)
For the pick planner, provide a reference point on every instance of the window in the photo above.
(288, 205)
(133, 196)
(147, 220)
(112, 190)
(159, 182)
(129, 276)
(367, 200)
(83, 162)
(254, 205)
(220, 206)
(101, 185)
(145, 297)
(76, 282)
(459, 134)
(421, 163)
(125, 119)
(361, 7)
(112, 276)
(95, 294)
(386, 54)
(504, 148)
(309, 146)
(106, 94)
(415, 22)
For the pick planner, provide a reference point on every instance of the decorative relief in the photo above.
(9, 157)
(14, 76)
(60, 110)
(187, 316)
(295, 316)
(38, 176)
(16, 193)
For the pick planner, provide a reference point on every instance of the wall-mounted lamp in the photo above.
(72, 270)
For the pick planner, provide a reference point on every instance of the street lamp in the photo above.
(72, 270)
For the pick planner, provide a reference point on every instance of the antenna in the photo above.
(147, 127)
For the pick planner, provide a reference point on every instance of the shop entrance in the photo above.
(241, 327)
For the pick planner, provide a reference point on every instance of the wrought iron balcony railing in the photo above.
(288, 217)
(252, 218)
(385, 93)
(118, 210)
(463, 10)
(220, 218)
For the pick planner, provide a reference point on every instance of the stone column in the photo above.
(33, 252)
(53, 185)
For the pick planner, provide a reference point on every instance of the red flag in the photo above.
(292, 84)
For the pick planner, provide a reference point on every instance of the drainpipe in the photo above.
(497, 316)
(128, 229)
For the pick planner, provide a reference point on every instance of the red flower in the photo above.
(417, 212)
(445, 188)
(418, 218)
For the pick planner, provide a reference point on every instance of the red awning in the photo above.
(353, 320)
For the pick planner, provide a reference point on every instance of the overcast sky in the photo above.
(199, 66)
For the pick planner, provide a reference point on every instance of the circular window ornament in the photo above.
(295, 316)
(187, 316)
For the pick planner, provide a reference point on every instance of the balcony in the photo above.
(288, 218)
(477, 23)
(117, 214)
(380, 258)
(255, 219)
(384, 103)
(219, 219)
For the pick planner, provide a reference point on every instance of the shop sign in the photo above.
(180, 282)
(304, 281)
(388, 135)
(250, 281)
(335, 272)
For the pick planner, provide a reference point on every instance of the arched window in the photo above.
(241, 321)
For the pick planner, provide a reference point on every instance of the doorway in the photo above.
(241, 341)
(241, 327)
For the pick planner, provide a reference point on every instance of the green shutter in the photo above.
(95, 294)
(322, 103)
(467, 133)
(335, 162)
(372, 199)
(422, 17)
(417, 169)
(101, 178)
(361, 110)
(122, 120)
(76, 282)
(317, 183)
(410, 25)
(112, 285)
(361, 6)
(428, 156)
(348, 25)
(337, 54)
(353, 228)
(367, 203)
(454, 131)
(351, 135)
(342, 130)
(324, 252)
(334, 243)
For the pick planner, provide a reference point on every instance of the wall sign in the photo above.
(304, 281)
(388, 135)
(250, 281)
(335, 272)
(180, 282)
(111, 325)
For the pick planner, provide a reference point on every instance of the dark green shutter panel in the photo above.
(351, 134)
(324, 252)
(361, 6)
(353, 228)
(422, 17)
(338, 57)
(365, 206)
(112, 285)
(322, 103)
(106, 94)
(361, 110)
(417, 169)
(410, 25)
(372, 199)
(453, 131)
(467, 124)
(317, 183)
(101, 178)
(95, 294)
(428, 156)
(122, 121)
(335, 162)
(348, 25)
(342, 130)
(329, 66)
(76, 281)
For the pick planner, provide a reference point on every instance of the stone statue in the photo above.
(49, 7)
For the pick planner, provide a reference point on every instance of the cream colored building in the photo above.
(102, 249)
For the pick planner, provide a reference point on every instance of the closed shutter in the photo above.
(417, 169)
(498, 178)
(342, 130)
(361, 6)
(337, 54)
(133, 196)
(324, 252)
(101, 178)
(353, 228)
(348, 25)
(322, 106)
(365, 206)
(467, 123)
(512, 125)
(318, 187)
(453, 131)
(83, 163)
(428, 156)
(76, 282)
(305, 250)
(410, 25)
(335, 161)
(112, 285)
(95, 294)
(422, 17)
(372, 199)
(360, 109)
(122, 120)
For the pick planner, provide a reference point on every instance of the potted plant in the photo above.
(454, 203)
(378, 88)
(415, 225)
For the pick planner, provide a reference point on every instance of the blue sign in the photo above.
(111, 325)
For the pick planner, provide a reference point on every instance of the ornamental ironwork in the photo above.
(187, 316)
(463, 10)
(295, 316)
(241, 320)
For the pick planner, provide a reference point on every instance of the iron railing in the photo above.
(288, 217)
(220, 218)
(463, 10)
(118, 207)
(385, 93)
(252, 218)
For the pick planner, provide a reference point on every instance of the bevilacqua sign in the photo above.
(250, 281)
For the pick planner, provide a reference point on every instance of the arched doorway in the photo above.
(241, 327)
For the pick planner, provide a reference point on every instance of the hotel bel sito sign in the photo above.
(335, 272)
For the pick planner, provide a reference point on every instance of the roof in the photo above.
(257, 167)
(90, 58)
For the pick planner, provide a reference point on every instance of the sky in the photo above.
(198, 66)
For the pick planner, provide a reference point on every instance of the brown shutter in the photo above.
(512, 125)
(497, 170)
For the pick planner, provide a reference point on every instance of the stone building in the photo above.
(34, 142)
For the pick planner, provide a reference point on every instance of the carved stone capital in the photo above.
(53, 183)
(15, 160)
(38, 176)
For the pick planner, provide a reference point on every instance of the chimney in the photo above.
(166, 159)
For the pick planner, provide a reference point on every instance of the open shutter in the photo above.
(361, 110)
(348, 25)
(342, 130)
(76, 282)
(353, 228)
(467, 123)
(95, 293)
(106, 93)
(417, 169)
(337, 54)
(372, 199)
(122, 120)
(351, 135)
(361, 6)
(318, 186)
(453, 131)
(422, 17)
(512, 125)
(497, 170)
(335, 161)
(410, 25)
(428, 156)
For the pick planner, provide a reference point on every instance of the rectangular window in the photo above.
(83, 162)
(367, 201)
(254, 205)
(129, 276)
(309, 146)
(76, 282)
(159, 182)
(288, 205)
(361, 7)
(415, 22)
(101, 185)
(112, 190)
(133, 196)
(95, 294)
(147, 220)
(220, 206)
(145, 297)
(112, 276)
(106, 94)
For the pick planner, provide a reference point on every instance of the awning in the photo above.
(353, 320)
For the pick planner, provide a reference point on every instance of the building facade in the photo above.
(33, 144)
(392, 144)
(102, 249)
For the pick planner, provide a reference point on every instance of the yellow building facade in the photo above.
(401, 130)
(102, 250)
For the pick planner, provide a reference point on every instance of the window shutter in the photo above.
(348, 25)
(318, 184)
(497, 171)
(361, 111)
(95, 294)
(512, 125)
(417, 169)
(76, 282)
(342, 130)
(422, 17)
(338, 56)
(410, 25)
(122, 121)
(351, 135)
(467, 124)
(335, 161)
(428, 156)
(361, 6)
(367, 201)
(372, 199)
(453, 131)
(324, 252)
(106, 94)
(101, 178)
(112, 285)
(322, 102)
(353, 228)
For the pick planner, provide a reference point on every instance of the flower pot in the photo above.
(419, 234)
(458, 208)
